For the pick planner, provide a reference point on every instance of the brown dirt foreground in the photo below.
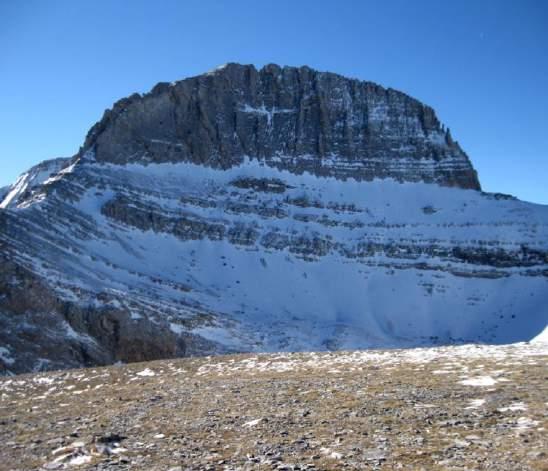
(467, 407)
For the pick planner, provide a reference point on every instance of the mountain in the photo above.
(263, 210)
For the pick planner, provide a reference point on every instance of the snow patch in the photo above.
(479, 381)
(515, 406)
(542, 337)
(525, 423)
(475, 403)
(146, 372)
(269, 113)
(252, 423)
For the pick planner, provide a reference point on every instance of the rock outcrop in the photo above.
(292, 118)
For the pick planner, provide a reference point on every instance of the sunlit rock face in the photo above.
(279, 209)
(291, 118)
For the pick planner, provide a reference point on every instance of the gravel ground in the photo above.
(467, 407)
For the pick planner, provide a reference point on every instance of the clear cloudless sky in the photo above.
(481, 64)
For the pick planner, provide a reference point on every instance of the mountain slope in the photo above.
(34, 177)
(379, 237)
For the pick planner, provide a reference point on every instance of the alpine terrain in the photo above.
(245, 210)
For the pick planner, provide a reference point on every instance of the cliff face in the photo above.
(292, 118)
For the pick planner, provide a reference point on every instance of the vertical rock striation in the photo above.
(293, 118)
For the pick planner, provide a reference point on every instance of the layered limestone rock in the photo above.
(41, 329)
(292, 118)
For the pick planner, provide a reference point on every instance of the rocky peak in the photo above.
(297, 119)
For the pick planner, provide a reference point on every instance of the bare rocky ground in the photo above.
(467, 407)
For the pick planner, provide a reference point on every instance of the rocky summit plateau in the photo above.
(245, 210)
(450, 408)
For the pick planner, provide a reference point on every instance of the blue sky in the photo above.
(482, 65)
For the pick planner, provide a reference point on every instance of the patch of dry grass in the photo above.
(298, 411)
